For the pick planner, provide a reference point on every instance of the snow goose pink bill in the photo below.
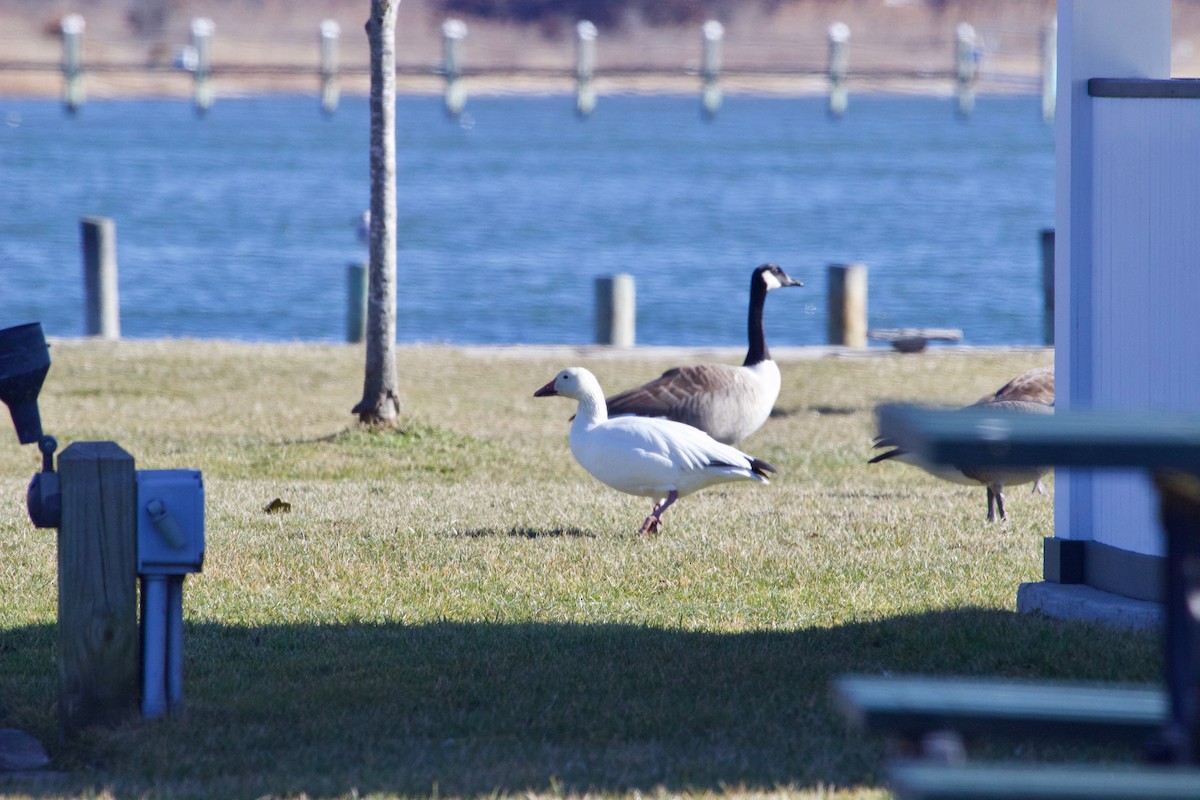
(646, 456)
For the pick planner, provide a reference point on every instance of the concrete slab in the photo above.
(1075, 601)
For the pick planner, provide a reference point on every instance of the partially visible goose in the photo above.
(728, 403)
(1031, 392)
(646, 456)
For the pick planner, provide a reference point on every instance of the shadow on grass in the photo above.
(475, 708)
(527, 533)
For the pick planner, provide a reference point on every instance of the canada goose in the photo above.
(728, 403)
(1031, 392)
(646, 456)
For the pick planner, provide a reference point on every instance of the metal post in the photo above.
(102, 308)
(839, 60)
(714, 34)
(454, 31)
(72, 66)
(1049, 69)
(202, 31)
(154, 645)
(329, 33)
(847, 301)
(966, 68)
(585, 68)
(616, 310)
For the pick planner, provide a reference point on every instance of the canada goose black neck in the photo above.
(757, 351)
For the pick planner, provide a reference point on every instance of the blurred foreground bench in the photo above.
(920, 712)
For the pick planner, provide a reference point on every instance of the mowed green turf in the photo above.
(455, 608)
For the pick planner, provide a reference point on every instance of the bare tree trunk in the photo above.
(380, 404)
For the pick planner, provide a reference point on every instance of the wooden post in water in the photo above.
(102, 307)
(616, 310)
(329, 33)
(847, 300)
(454, 31)
(356, 307)
(966, 68)
(585, 68)
(714, 34)
(97, 586)
(1047, 240)
(202, 31)
(72, 64)
(1049, 69)
(839, 60)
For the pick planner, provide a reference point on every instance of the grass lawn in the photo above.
(457, 609)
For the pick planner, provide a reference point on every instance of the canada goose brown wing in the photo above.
(1036, 385)
(683, 394)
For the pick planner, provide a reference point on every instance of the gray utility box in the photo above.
(170, 521)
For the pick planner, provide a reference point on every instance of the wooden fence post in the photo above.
(97, 586)
(714, 34)
(72, 64)
(616, 310)
(102, 307)
(847, 295)
(839, 60)
(329, 33)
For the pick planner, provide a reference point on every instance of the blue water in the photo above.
(240, 225)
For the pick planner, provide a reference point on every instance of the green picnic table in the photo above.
(1167, 444)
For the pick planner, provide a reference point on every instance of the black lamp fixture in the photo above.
(24, 362)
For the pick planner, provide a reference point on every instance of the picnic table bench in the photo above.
(1168, 445)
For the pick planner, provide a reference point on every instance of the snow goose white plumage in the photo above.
(1031, 392)
(727, 402)
(646, 456)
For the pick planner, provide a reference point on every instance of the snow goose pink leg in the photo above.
(653, 523)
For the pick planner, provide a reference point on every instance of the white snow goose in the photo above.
(728, 403)
(646, 456)
(1031, 392)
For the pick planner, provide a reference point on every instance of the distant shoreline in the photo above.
(107, 85)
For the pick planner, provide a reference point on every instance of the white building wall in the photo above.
(1104, 39)
(1146, 286)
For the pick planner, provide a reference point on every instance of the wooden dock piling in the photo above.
(72, 64)
(454, 31)
(1047, 242)
(585, 68)
(356, 303)
(1049, 69)
(616, 310)
(966, 68)
(847, 301)
(713, 33)
(329, 33)
(202, 30)
(97, 587)
(839, 61)
(102, 307)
